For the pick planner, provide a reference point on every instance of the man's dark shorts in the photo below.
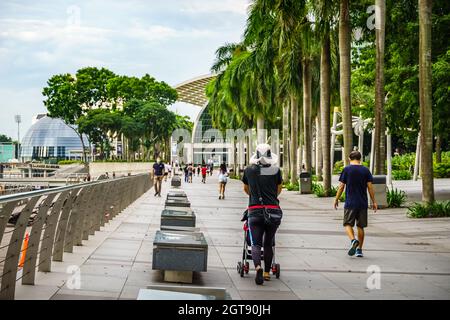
(360, 215)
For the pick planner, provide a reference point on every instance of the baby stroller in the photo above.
(243, 266)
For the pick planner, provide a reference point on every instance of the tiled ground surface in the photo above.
(412, 255)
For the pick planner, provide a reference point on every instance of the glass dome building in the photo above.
(51, 138)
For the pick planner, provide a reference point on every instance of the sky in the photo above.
(172, 40)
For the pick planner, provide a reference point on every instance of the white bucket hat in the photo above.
(264, 155)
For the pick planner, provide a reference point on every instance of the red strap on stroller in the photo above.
(265, 206)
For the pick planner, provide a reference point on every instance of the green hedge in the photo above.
(433, 210)
(63, 162)
(401, 175)
(441, 170)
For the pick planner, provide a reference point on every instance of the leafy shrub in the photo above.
(401, 175)
(338, 167)
(442, 170)
(404, 162)
(292, 187)
(395, 198)
(435, 209)
(319, 191)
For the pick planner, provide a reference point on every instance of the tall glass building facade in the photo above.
(207, 143)
(51, 138)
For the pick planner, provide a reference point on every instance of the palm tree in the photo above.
(324, 11)
(380, 126)
(344, 74)
(425, 99)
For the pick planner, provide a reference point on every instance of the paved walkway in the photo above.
(412, 255)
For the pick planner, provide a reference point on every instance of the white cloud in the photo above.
(221, 6)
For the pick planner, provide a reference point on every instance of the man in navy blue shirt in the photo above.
(356, 180)
(158, 173)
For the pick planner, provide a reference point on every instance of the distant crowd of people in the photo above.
(162, 171)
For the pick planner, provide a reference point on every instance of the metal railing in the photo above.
(61, 218)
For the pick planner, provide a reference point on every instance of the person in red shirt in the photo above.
(204, 170)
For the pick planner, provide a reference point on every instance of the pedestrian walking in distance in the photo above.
(204, 172)
(223, 178)
(158, 173)
(356, 179)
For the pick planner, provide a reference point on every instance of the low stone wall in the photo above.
(120, 168)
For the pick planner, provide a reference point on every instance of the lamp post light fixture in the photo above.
(18, 120)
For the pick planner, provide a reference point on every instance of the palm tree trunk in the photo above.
(344, 76)
(426, 115)
(294, 138)
(285, 142)
(307, 78)
(301, 140)
(325, 74)
(438, 149)
(380, 127)
(319, 156)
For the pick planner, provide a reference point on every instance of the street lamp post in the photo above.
(18, 120)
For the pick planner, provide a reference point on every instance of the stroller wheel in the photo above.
(247, 267)
(274, 268)
(239, 267)
(277, 273)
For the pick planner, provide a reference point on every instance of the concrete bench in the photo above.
(177, 202)
(179, 254)
(179, 228)
(176, 181)
(177, 218)
(173, 193)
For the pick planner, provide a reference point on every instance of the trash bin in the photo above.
(305, 182)
(379, 188)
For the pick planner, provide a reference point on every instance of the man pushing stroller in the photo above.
(263, 183)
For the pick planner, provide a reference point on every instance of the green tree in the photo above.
(62, 101)
(5, 138)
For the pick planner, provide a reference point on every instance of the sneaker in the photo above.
(354, 245)
(259, 280)
(266, 276)
(359, 253)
